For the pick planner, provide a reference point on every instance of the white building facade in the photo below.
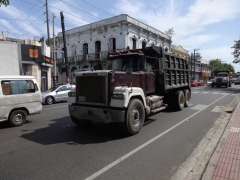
(90, 43)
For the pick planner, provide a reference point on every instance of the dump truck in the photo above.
(222, 78)
(133, 85)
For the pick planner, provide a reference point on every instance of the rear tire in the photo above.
(135, 117)
(179, 100)
(80, 122)
(187, 97)
(17, 118)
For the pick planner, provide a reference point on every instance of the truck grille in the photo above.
(91, 90)
(219, 80)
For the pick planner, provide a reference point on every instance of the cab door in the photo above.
(60, 93)
(150, 74)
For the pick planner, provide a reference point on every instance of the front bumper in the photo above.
(97, 114)
(219, 83)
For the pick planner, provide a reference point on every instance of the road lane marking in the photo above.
(106, 168)
(205, 92)
(215, 93)
(54, 107)
(225, 93)
(199, 107)
(217, 109)
(195, 92)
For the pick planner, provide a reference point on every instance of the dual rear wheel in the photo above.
(179, 100)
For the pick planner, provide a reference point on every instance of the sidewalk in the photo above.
(228, 163)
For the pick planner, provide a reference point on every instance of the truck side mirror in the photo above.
(129, 71)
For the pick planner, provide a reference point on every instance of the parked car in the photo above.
(194, 83)
(200, 83)
(237, 81)
(56, 94)
(19, 97)
(209, 83)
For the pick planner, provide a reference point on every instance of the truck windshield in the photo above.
(222, 75)
(122, 63)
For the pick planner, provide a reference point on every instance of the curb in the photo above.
(196, 163)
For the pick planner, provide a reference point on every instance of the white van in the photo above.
(19, 96)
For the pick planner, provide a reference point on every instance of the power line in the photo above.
(97, 8)
(31, 22)
(80, 9)
(19, 19)
(65, 12)
(52, 12)
(25, 13)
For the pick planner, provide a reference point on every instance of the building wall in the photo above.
(123, 28)
(9, 59)
(35, 70)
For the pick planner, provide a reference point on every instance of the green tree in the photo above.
(217, 65)
(4, 2)
(236, 52)
(170, 32)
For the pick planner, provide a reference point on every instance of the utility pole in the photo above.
(64, 45)
(195, 62)
(54, 57)
(194, 65)
(48, 42)
(191, 64)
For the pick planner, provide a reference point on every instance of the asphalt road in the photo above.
(50, 146)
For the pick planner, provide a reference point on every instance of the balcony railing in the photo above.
(84, 57)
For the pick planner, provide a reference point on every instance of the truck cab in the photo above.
(222, 78)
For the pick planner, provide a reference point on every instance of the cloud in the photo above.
(189, 23)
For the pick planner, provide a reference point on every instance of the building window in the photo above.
(97, 49)
(85, 51)
(74, 53)
(112, 45)
(134, 43)
(144, 44)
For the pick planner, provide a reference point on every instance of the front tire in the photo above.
(17, 118)
(135, 117)
(49, 100)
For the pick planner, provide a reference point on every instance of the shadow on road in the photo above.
(64, 131)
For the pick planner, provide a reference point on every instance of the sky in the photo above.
(211, 26)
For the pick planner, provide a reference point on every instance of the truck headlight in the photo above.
(118, 96)
(71, 94)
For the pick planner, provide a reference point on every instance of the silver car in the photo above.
(56, 94)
